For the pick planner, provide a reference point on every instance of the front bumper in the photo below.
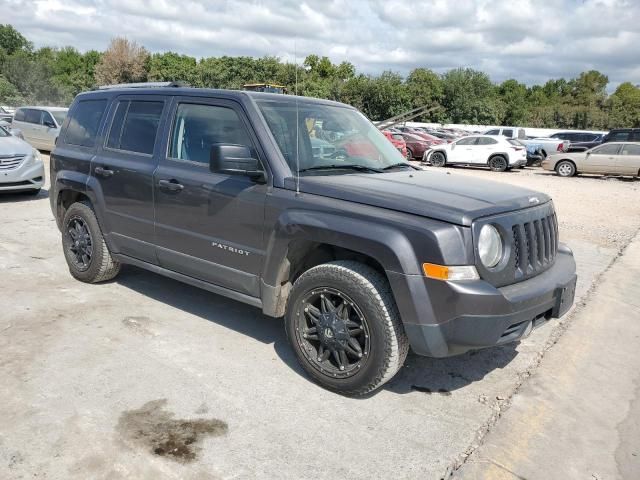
(29, 175)
(449, 318)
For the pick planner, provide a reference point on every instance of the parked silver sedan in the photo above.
(21, 167)
(614, 158)
(40, 125)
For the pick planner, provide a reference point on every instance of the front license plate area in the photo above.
(565, 298)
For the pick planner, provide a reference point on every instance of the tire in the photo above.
(565, 168)
(438, 159)
(371, 311)
(80, 221)
(409, 154)
(498, 163)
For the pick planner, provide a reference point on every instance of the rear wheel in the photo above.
(438, 159)
(498, 163)
(565, 169)
(344, 326)
(85, 250)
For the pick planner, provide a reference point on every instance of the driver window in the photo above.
(606, 150)
(197, 127)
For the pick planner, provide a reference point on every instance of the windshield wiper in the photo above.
(360, 168)
(400, 164)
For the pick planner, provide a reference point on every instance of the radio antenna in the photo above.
(295, 65)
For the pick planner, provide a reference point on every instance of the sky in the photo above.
(529, 40)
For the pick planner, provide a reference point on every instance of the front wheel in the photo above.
(344, 327)
(409, 154)
(565, 169)
(438, 159)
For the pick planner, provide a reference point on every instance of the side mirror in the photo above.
(235, 160)
(49, 124)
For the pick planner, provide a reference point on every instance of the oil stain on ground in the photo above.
(153, 428)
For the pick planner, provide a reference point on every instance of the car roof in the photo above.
(211, 92)
(50, 109)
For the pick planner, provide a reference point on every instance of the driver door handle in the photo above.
(104, 171)
(171, 185)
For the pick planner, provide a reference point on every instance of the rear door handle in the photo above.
(104, 171)
(171, 185)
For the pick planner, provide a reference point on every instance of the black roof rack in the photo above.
(143, 85)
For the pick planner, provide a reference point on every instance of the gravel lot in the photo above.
(145, 377)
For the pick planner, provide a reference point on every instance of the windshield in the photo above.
(328, 136)
(59, 115)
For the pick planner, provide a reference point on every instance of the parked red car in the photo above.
(431, 139)
(416, 146)
(398, 141)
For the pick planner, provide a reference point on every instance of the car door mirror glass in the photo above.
(235, 160)
(49, 124)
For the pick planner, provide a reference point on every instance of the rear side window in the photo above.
(486, 141)
(198, 127)
(507, 133)
(32, 116)
(135, 126)
(631, 149)
(619, 137)
(84, 123)
(493, 132)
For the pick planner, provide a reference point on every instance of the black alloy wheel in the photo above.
(332, 332)
(81, 244)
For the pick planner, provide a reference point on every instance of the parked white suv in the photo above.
(40, 125)
(21, 168)
(495, 151)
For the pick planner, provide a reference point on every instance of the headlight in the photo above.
(490, 246)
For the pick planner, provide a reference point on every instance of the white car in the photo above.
(495, 151)
(21, 167)
(40, 125)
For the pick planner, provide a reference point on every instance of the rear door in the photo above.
(30, 125)
(629, 160)
(209, 225)
(124, 170)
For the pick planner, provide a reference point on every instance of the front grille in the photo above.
(535, 245)
(531, 244)
(10, 162)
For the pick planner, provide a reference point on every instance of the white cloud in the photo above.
(530, 40)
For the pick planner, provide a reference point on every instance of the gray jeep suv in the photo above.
(362, 254)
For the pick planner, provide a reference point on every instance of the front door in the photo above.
(124, 169)
(602, 159)
(628, 162)
(209, 225)
(462, 151)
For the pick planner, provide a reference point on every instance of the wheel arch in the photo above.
(571, 161)
(301, 240)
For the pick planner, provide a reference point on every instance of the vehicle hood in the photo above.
(439, 195)
(11, 145)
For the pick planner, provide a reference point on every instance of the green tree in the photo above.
(625, 106)
(470, 97)
(425, 88)
(12, 41)
(166, 67)
(514, 97)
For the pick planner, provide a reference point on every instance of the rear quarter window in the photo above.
(84, 123)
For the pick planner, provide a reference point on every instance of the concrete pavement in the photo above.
(578, 416)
